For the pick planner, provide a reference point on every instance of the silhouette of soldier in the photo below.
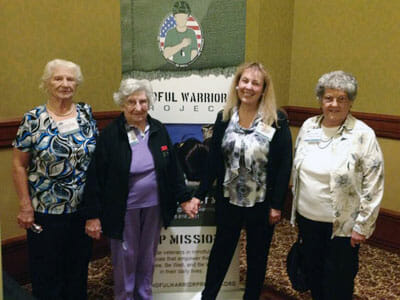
(180, 41)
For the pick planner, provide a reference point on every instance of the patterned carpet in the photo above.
(378, 277)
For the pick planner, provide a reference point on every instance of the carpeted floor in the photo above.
(378, 277)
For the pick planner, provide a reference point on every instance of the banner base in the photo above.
(223, 295)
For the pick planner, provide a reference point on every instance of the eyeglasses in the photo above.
(133, 103)
(339, 100)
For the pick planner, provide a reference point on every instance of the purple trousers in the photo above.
(133, 258)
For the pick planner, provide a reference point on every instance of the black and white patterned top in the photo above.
(246, 157)
(58, 163)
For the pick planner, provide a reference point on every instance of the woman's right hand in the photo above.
(191, 207)
(93, 228)
(25, 217)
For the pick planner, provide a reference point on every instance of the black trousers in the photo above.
(330, 264)
(230, 220)
(59, 257)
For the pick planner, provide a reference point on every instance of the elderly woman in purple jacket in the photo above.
(134, 185)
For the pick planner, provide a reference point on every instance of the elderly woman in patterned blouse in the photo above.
(52, 151)
(337, 186)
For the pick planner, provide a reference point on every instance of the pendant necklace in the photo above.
(325, 143)
(328, 142)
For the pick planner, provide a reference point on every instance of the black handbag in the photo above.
(295, 267)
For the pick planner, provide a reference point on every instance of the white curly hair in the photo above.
(338, 80)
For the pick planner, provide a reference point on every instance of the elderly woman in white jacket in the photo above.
(338, 186)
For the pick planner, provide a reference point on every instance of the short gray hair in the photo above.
(51, 65)
(338, 80)
(129, 86)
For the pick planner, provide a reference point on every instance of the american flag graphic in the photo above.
(170, 23)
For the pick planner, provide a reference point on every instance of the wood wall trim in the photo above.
(8, 130)
(387, 231)
(9, 127)
(15, 258)
(386, 126)
(105, 117)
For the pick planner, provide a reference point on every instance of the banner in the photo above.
(189, 50)
(185, 101)
(183, 251)
(164, 38)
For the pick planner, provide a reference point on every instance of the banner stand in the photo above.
(182, 257)
(223, 295)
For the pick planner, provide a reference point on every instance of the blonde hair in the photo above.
(267, 103)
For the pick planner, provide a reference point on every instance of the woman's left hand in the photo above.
(274, 216)
(191, 207)
(93, 228)
(357, 239)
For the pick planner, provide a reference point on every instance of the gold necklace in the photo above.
(60, 115)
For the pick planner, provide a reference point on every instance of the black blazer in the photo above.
(106, 189)
(278, 167)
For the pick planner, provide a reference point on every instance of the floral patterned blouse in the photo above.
(58, 162)
(356, 181)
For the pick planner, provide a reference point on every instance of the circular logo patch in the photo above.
(180, 39)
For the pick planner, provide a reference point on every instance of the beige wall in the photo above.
(391, 149)
(358, 36)
(1, 272)
(34, 32)
(269, 40)
(301, 40)
(9, 202)
(361, 37)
